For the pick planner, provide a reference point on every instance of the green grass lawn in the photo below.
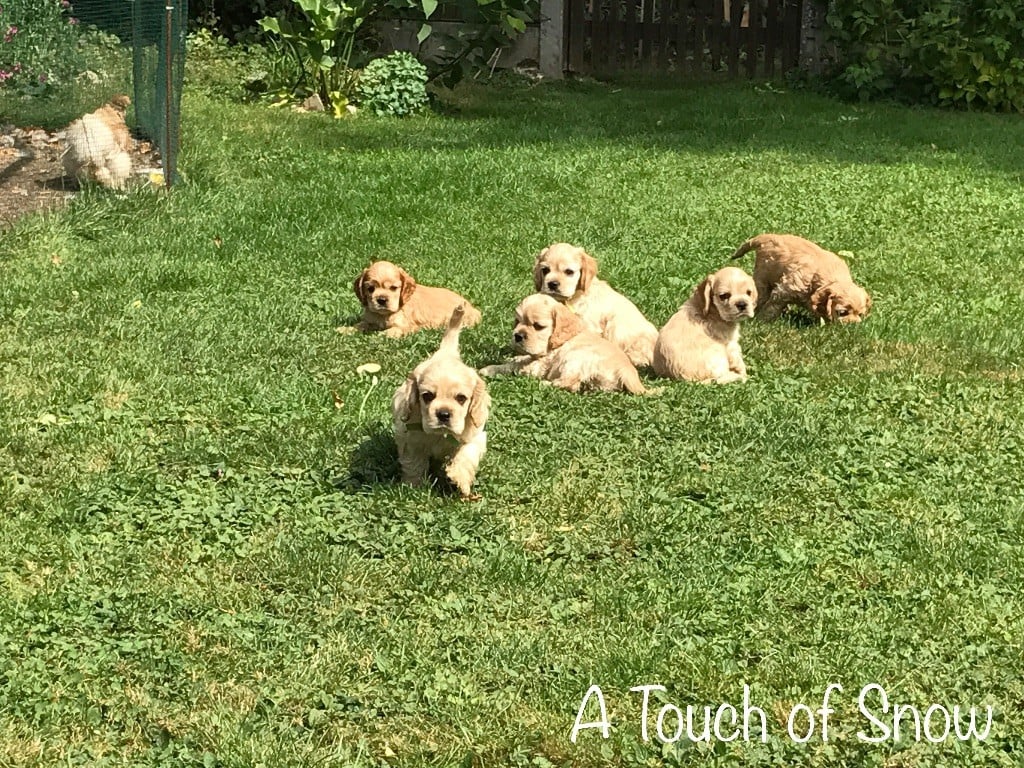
(206, 561)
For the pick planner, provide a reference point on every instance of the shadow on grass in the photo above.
(699, 117)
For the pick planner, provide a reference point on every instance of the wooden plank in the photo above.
(598, 39)
(771, 37)
(664, 35)
(735, 18)
(716, 32)
(577, 36)
(614, 36)
(648, 34)
(629, 34)
(700, 12)
(753, 26)
(684, 40)
(791, 35)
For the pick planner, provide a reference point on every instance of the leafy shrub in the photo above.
(38, 44)
(393, 85)
(952, 52)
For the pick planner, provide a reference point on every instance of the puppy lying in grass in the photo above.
(99, 144)
(701, 342)
(556, 347)
(439, 415)
(791, 270)
(569, 274)
(395, 303)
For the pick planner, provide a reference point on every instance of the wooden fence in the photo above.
(752, 37)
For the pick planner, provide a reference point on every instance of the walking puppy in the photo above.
(569, 274)
(439, 415)
(99, 144)
(701, 342)
(556, 347)
(791, 270)
(395, 303)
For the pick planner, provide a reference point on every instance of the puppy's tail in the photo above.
(631, 382)
(751, 245)
(450, 341)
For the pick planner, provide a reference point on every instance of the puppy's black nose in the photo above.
(443, 415)
(382, 300)
(518, 338)
(553, 285)
(741, 306)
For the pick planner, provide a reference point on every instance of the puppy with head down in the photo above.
(791, 270)
(555, 346)
(439, 415)
(701, 342)
(395, 303)
(99, 144)
(569, 274)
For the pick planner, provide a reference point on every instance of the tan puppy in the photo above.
(701, 342)
(791, 270)
(569, 274)
(555, 346)
(99, 144)
(439, 414)
(395, 303)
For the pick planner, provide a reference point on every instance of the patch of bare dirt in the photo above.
(32, 175)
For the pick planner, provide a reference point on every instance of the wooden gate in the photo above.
(757, 37)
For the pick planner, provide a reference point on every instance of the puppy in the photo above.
(99, 144)
(555, 346)
(569, 274)
(791, 270)
(701, 342)
(395, 303)
(439, 414)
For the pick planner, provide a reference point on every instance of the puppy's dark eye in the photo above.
(461, 399)
(538, 327)
(570, 272)
(843, 312)
(428, 397)
(724, 296)
(393, 288)
(545, 270)
(749, 292)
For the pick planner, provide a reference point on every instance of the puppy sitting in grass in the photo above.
(439, 415)
(556, 347)
(791, 270)
(395, 303)
(701, 342)
(99, 144)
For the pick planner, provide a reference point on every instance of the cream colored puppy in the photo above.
(701, 342)
(569, 273)
(439, 414)
(395, 303)
(556, 347)
(791, 270)
(99, 144)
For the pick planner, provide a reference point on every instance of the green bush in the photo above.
(38, 44)
(950, 52)
(393, 85)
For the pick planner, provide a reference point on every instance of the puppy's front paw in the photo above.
(347, 330)
(470, 497)
(394, 333)
(490, 371)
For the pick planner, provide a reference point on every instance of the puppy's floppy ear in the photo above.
(706, 290)
(821, 302)
(564, 325)
(538, 276)
(588, 271)
(406, 402)
(408, 285)
(479, 404)
(357, 286)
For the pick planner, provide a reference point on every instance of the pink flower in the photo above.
(42, 78)
(10, 33)
(65, 4)
(72, 20)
